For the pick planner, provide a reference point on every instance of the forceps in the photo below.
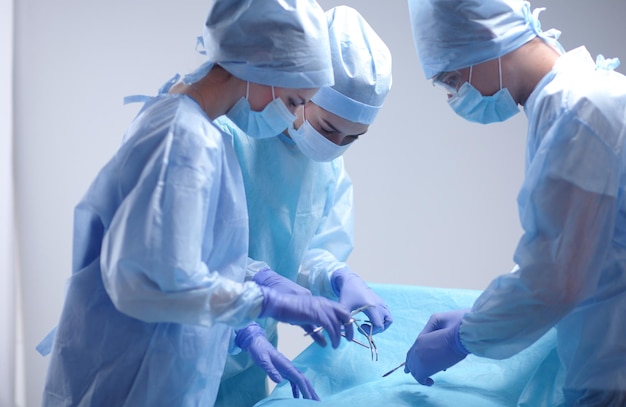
(372, 346)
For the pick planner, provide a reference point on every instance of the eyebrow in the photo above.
(302, 101)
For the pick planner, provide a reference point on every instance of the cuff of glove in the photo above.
(246, 335)
(262, 275)
(458, 345)
(268, 298)
(337, 279)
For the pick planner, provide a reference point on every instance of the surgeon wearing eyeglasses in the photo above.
(491, 57)
(300, 199)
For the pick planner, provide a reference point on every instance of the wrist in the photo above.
(261, 276)
(458, 345)
(337, 279)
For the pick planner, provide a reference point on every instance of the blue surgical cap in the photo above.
(362, 68)
(271, 42)
(454, 34)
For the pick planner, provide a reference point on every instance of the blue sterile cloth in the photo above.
(348, 375)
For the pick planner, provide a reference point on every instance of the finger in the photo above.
(303, 385)
(331, 322)
(430, 326)
(333, 329)
(294, 390)
(427, 382)
(366, 330)
(299, 383)
(348, 330)
(311, 394)
(273, 374)
(318, 337)
(388, 320)
(376, 319)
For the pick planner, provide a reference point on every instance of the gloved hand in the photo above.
(308, 310)
(252, 340)
(354, 293)
(437, 347)
(269, 278)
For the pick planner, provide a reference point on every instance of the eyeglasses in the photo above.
(449, 81)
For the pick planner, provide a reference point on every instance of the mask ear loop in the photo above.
(500, 71)
(273, 96)
(470, 74)
(247, 90)
(303, 120)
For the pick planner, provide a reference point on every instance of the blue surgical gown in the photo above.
(159, 260)
(571, 259)
(301, 225)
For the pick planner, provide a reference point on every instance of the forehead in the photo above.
(297, 93)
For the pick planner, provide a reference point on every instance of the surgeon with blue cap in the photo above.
(492, 56)
(300, 201)
(159, 280)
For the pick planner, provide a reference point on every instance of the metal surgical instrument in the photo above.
(394, 369)
(372, 346)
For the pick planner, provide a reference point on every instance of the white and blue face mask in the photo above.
(313, 144)
(470, 104)
(269, 122)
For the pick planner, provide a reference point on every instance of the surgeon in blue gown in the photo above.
(158, 284)
(300, 200)
(492, 56)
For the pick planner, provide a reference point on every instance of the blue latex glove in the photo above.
(252, 340)
(354, 293)
(269, 278)
(308, 310)
(437, 347)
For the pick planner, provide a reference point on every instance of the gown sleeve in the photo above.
(568, 206)
(334, 238)
(153, 257)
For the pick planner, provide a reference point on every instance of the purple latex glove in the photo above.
(308, 310)
(252, 340)
(354, 293)
(269, 278)
(437, 347)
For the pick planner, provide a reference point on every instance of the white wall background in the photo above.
(8, 337)
(435, 195)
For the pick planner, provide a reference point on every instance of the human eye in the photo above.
(452, 79)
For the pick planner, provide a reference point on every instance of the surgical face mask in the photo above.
(269, 122)
(313, 144)
(470, 104)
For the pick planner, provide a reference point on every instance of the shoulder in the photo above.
(177, 123)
